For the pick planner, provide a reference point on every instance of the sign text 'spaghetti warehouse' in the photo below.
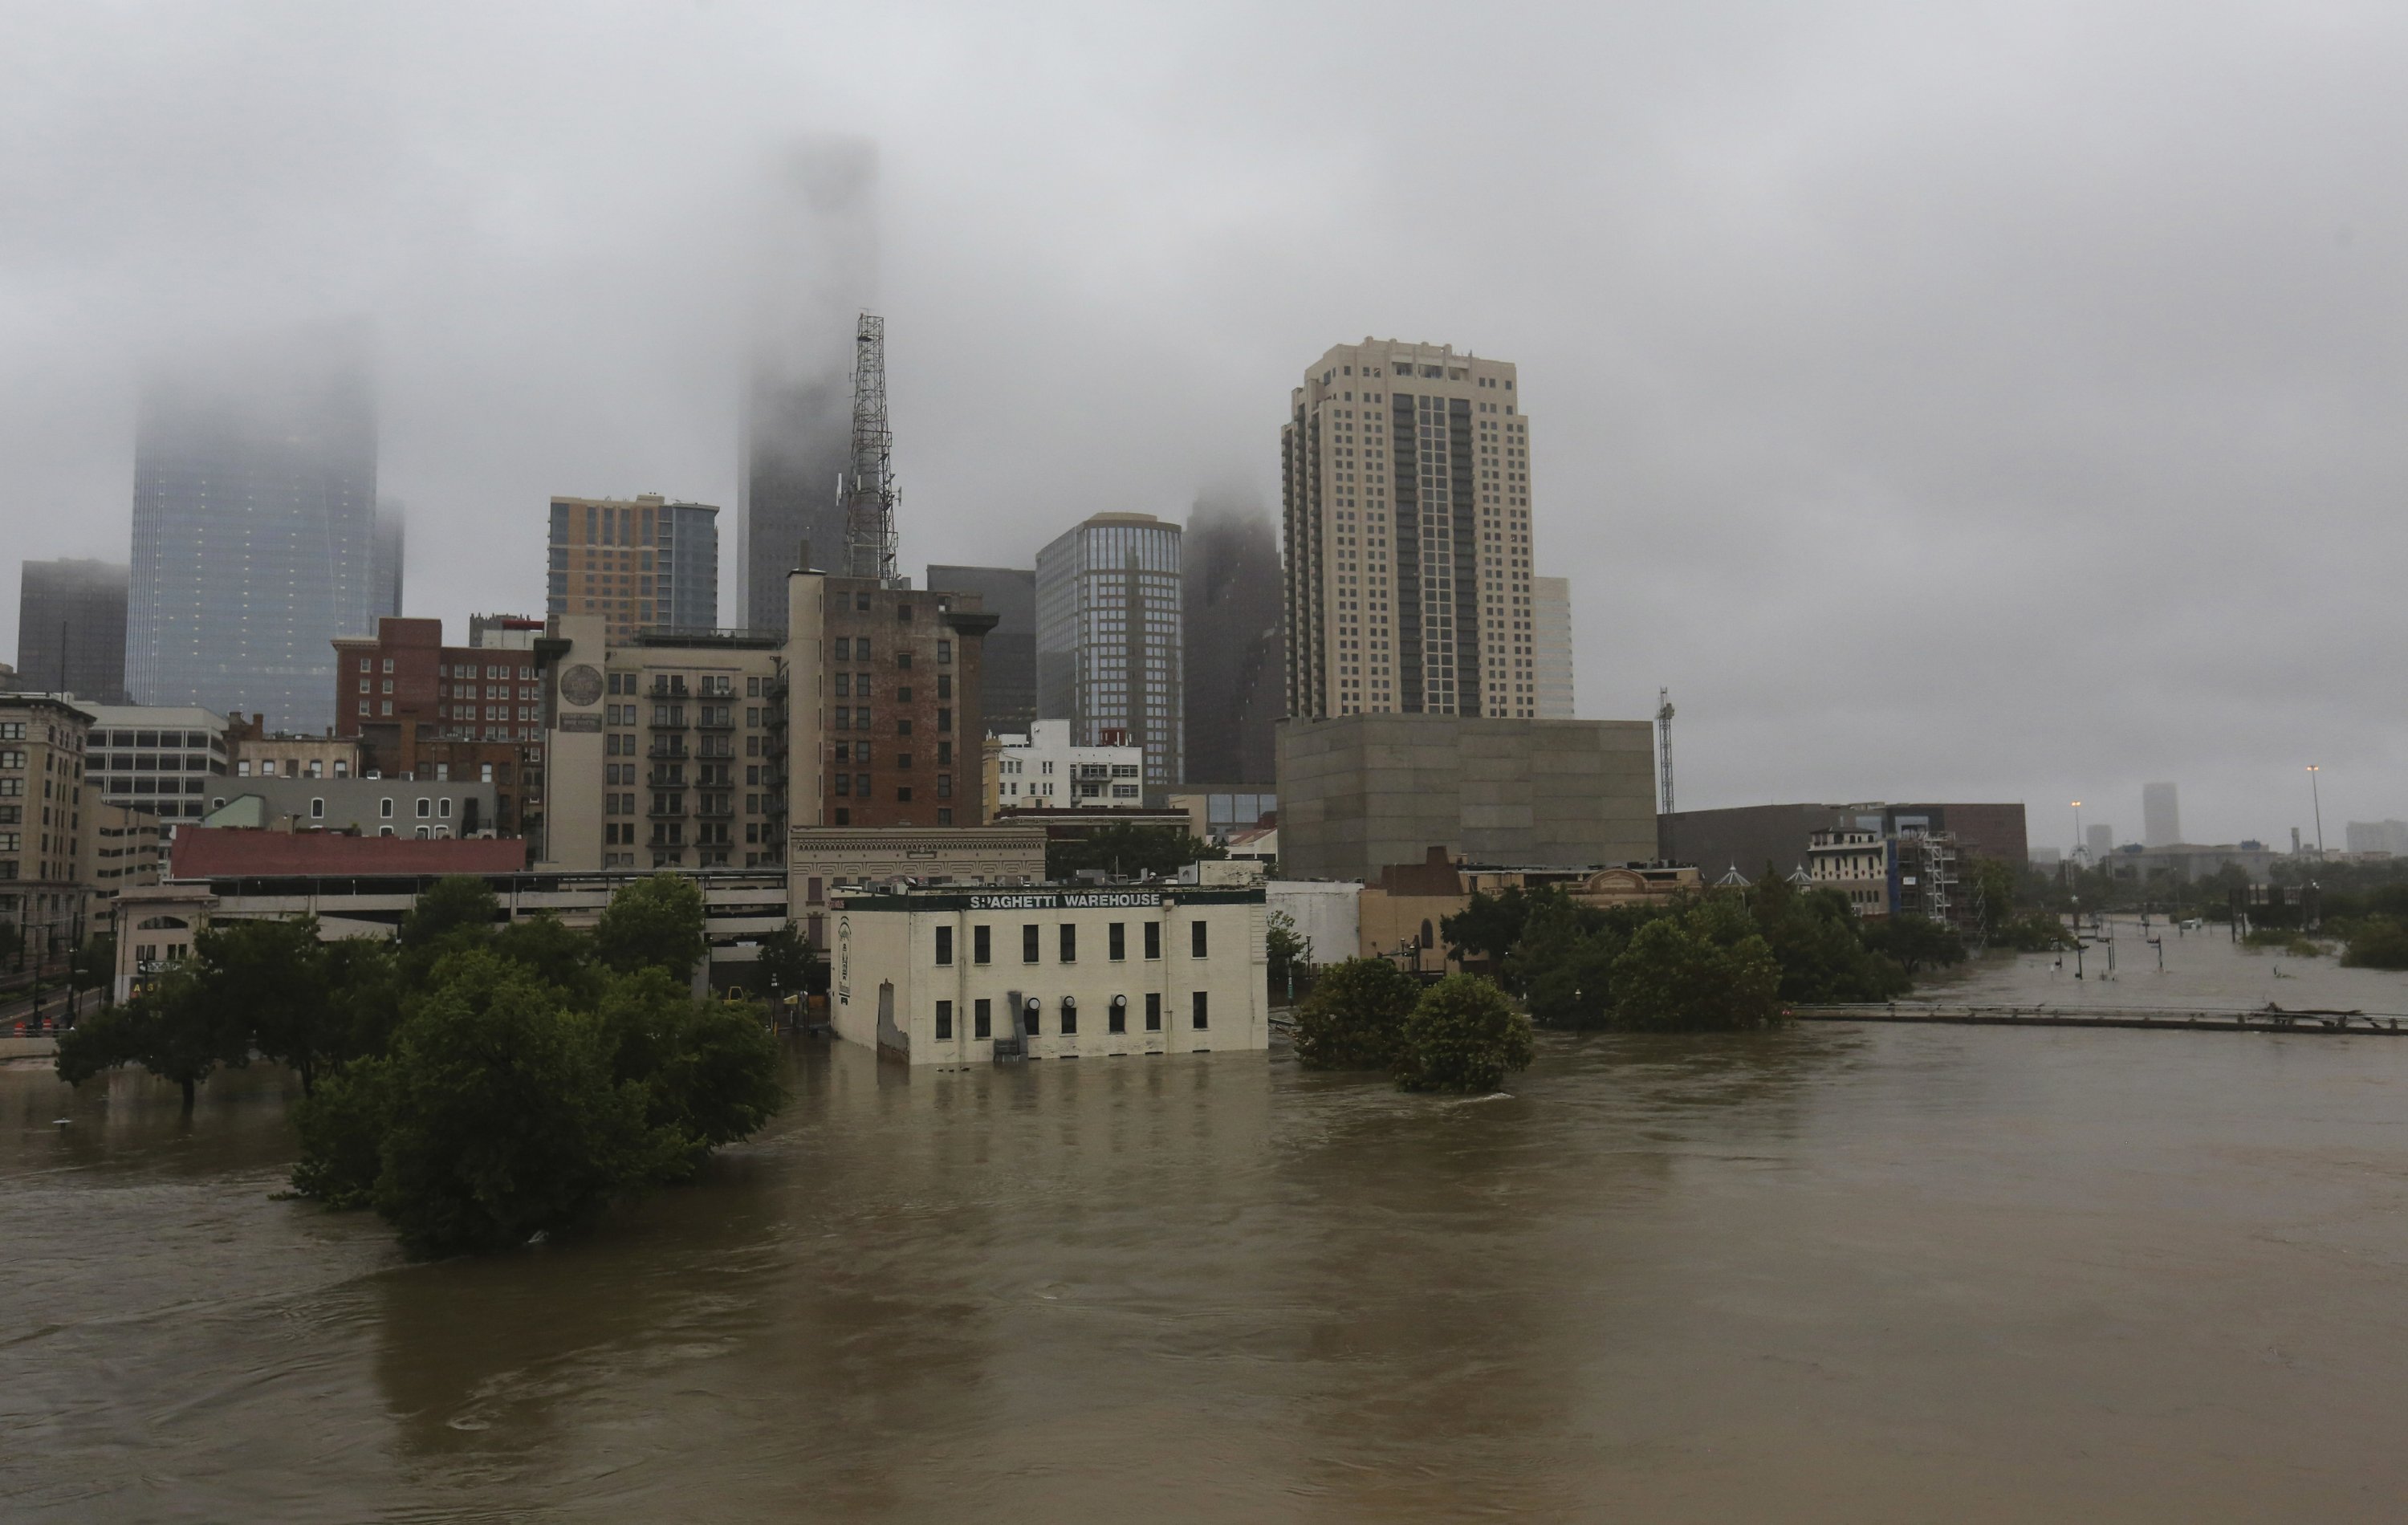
(954, 976)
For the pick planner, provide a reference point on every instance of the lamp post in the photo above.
(2317, 799)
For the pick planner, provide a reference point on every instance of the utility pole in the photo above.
(2318, 798)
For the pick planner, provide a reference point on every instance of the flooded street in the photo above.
(1834, 1273)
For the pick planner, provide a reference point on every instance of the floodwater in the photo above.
(2163, 965)
(1875, 1274)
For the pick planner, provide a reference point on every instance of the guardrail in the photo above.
(2151, 1018)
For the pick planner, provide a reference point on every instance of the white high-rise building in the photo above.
(1406, 489)
(2160, 816)
(1551, 605)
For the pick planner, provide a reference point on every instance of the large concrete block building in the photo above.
(1361, 791)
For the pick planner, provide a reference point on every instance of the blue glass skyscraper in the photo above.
(255, 531)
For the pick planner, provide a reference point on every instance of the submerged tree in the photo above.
(1462, 1035)
(1354, 1015)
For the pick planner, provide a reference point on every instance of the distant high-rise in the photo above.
(820, 262)
(1406, 473)
(2160, 816)
(1550, 646)
(2099, 840)
(1009, 593)
(640, 563)
(255, 528)
(388, 557)
(1108, 638)
(71, 630)
(1235, 680)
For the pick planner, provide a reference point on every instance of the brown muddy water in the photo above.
(1834, 1273)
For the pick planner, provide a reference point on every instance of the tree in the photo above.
(1128, 850)
(1352, 1017)
(708, 1069)
(552, 951)
(457, 911)
(1817, 940)
(1285, 949)
(788, 962)
(498, 1115)
(1490, 926)
(1462, 1035)
(95, 964)
(1678, 975)
(2377, 942)
(654, 923)
(170, 1029)
(270, 979)
(1914, 941)
(1563, 962)
(1996, 879)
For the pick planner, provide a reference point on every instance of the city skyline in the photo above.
(1097, 302)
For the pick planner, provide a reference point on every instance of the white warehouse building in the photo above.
(955, 976)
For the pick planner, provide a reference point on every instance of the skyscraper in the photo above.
(1009, 657)
(640, 563)
(1550, 608)
(2160, 816)
(1236, 678)
(1406, 486)
(2099, 840)
(255, 523)
(820, 241)
(1108, 638)
(388, 557)
(71, 630)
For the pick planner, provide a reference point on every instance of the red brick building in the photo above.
(222, 853)
(906, 706)
(421, 709)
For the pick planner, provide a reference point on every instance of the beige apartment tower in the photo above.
(1406, 489)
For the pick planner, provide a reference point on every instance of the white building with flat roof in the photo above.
(1045, 769)
(164, 759)
(966, 976)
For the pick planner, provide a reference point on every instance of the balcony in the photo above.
(717, 720)
(676, 811)
(670, 719)
(715, 812)
(665, 779)
(670, 748)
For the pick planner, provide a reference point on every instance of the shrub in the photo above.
(1353, 1014)
(2379, 943)
(1462, 1035)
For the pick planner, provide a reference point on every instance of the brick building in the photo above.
(420, 708)
(906, 721)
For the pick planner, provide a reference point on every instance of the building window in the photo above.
(1070, 942)
(944, 1017)
(944, 945)
(1070, 1015)
(1196, 939)
(982, 1019)
(425, 808)
(1196, 1002)
(1029, 935)
(1154, 1011)
(1116, 1015)
(317, 810)
(1153, 939)
(1116, 942)
(384, 809)
(982, 947)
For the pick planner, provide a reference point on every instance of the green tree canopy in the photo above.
(653, 922)
(1914, 942)
(1490, 926)
(790, 966)
(554, 951)
(1353, 1014)
(1128, 850)
(455, 913)
(171, 1029)
(1462, 1035)
(1706, 971)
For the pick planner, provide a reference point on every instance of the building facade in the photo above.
(638, 563)
(252, 752)
(1550, 646)
(1405, 473)
(254, 526)
(1008, 663)
(904, 699)
(388, 557)
(822, 862)
(1749, 839)
(945, 976)
(1045, 769)
(417, 708)
(1359, 792)
(1232, 652)
(43, 805)
(1110, 638)
(163, 760)
(426, 809)
(2160, 816)
(1858, 863)
(71, 628)
(122, 848)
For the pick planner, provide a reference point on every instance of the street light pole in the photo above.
(2316, 798)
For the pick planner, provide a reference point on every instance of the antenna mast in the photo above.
(867, 491)
(1665, 825)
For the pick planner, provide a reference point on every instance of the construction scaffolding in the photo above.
(866, 491)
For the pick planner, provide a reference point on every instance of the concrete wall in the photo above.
(1325, 913)
(1359, 792)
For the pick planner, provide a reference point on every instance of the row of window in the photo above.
(1032, 940)
(1032, 1015)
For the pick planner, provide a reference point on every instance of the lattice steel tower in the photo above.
(866, 491)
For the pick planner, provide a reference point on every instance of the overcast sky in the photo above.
(1946, 401)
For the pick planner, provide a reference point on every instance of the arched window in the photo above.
(1428, 940)
(154, 924)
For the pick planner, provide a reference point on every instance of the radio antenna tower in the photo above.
(1664, 773)
(867, 491)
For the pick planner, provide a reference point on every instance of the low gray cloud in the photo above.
(1986, 400)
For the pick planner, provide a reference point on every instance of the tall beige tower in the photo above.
(1406, 485)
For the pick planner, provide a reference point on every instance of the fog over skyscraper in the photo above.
(1236, 671)
(1108, 638)
(819, 251)
(2160, 816)
(254, 525)
(71, 630)
(390, 521)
